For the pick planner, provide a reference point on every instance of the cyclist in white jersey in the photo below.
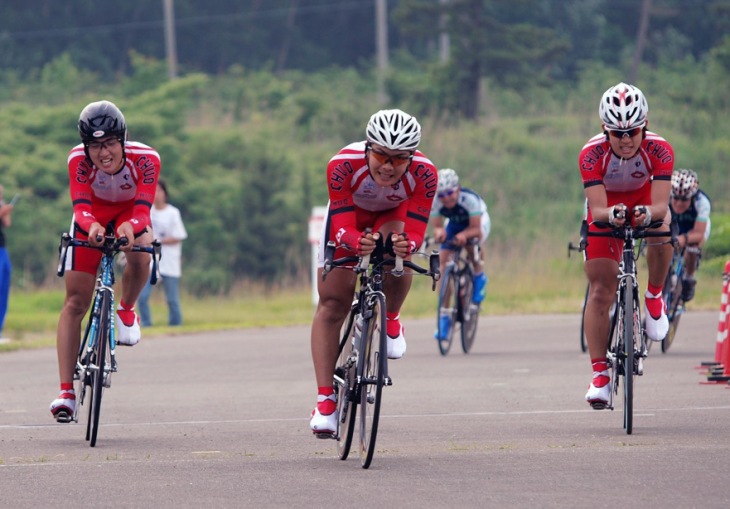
(459, 214)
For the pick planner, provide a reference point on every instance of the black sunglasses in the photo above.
(619, 133)
(680, 198)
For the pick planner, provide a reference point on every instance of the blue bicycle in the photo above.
(97, 360)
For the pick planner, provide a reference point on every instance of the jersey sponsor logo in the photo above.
(339, 234)
(659, 151)
(394, 197)
(126, 187)
(147, 168)
(591, 158)
(638, 174)
(428, 177)
(339, 175)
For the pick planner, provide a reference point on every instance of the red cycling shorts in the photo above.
(85, 259)
(607, 247)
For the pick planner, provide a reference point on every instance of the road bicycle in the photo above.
(673, 293)
(455, 299)
(362, 366)
(583, 342)
(97, 351)
(627, 347)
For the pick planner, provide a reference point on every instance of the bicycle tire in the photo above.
(468, 311)
(97, 377)
(346, 404)
(373, 359)
(81, 381)
(583, 341)
(627, 352)
(675, 306)
(447, 291)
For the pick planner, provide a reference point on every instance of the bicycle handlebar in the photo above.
(110, 246)
(398, 263)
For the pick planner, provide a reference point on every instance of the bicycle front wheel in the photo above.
(627, 353)
(674, 313)
(374, 355)
(344, 384)
(100, 365)
(447, 296)
(468, 311)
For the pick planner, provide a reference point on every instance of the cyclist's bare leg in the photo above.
(601, 273)
(659, 256)
(79, 291)
(476, 263)
(335, 299)
(137, 272)
(690, 261)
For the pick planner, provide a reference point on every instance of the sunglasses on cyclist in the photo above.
(444, 194)
(395, 160)
(109, 144)
(680, 198)
(619, 133)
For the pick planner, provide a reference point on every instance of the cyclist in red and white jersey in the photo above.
(627, 173)
(112, 181)
(383, 184)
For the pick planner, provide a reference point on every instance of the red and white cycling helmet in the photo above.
(622, 107)
(394, 129)
(685, 183)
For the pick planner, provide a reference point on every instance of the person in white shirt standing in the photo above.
(168, 228)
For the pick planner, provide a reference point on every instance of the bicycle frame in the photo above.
(627, 347)
(360, 352)
(96, 359)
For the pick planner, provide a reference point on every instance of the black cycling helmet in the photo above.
(101, 119)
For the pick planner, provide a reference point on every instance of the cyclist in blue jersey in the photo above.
(690, 208)
(459, 214)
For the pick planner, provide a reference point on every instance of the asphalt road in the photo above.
(221, 420)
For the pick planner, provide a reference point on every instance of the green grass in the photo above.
(555, 287)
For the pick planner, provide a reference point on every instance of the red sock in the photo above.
(392, 324)
(326, 400)
(600, 372)
(67, 390)
(653, 300)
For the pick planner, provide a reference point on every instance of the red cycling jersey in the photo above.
(599, 165)
(627, 181)
(95, 192)
(357, 202)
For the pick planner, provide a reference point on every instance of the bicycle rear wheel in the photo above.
(628, 342)
(101, 363)
(447, 307)
(344, 384)
(468, 311)
(373, 361)
(583, 342)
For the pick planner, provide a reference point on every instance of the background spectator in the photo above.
(168, 228)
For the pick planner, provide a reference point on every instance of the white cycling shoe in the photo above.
(656, 328)
(397, 346)
(598, 397)
(64, 406)
(323, 424)
(128, 335)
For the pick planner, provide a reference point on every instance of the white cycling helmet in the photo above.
(623, 107)
(448, 179)
(394, 129)
(685, 183)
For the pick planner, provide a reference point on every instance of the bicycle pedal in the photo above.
(63, 417)
(388, 381)
(325, 436)
(599, 405)
(640, 367)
